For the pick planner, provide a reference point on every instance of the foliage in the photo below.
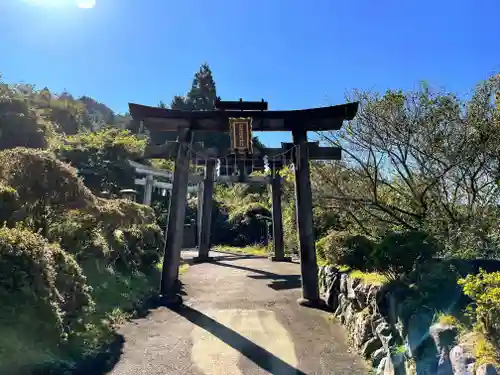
(289, 211)
(200, 97)
(9, 203)
(20, 124)
(101, 158)
(484, 289)
(247, 213)
(398, 253)
(343, 248)
(357, 252)
(369, 278)
(416, 160)
(45, 185)
(46, 297)
(121, 232)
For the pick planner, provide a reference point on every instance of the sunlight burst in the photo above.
(84, 4)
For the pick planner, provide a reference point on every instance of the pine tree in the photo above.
(202, 97)
(203, 92)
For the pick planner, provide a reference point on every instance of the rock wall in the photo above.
(392, 344)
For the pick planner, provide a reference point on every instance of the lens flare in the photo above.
(85, 4)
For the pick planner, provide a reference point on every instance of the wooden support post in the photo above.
(278, 243)
(175, 224)
(148, 190)
(305, 225)
(199, 214)
(206, 213)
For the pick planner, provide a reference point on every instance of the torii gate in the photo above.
(258, 118)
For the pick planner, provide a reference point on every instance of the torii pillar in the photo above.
(206, 214)
(305, 225)
(277, 216)
(175, 223)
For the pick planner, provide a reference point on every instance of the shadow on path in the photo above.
(257, 354)
(279, 282)
(99, 364)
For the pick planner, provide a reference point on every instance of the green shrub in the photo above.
(136, 247)
(343, 248)
(9, 203)
(357, 252)
(45, 186)
(484, 289)
(45, 300)
(71, 284)
(101, 158)
(121, 232)
(20, 125)
(31, 289)
(400, 252)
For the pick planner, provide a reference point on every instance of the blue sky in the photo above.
(295, 54)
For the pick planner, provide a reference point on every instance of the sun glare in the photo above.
(84, 4)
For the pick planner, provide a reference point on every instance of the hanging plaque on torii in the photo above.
(240, 131)
(240, 128)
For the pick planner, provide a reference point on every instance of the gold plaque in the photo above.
(240, 130)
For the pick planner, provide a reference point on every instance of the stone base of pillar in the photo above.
(203, 259)
(171, 301)
(280, 259)
(315, 304)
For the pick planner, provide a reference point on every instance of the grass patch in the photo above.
(371, 278)
(251, 250)
(182, 268)
(447, 319)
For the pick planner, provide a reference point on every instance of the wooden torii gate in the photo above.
(299, 122)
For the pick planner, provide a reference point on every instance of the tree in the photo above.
(420, 160)
(203, 93)
(201, 97)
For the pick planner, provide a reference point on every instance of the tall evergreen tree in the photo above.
(203, 93)
(201, 97)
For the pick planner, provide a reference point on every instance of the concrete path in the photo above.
(240, 318)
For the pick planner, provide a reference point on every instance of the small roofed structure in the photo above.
(129, 194)
(313, 119)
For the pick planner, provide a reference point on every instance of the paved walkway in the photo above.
(240, 318)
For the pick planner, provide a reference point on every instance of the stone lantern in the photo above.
(129, 194)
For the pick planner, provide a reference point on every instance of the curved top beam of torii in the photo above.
(312, 119)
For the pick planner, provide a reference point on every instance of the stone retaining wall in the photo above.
(371, 316)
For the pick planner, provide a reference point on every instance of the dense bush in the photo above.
(46, 186)
(120, 232)
(357, 252)
(398, 253)
(484, 289)
(343, 248)
(20, 124)
(101, 158)
(9, 203)
(45, 300)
